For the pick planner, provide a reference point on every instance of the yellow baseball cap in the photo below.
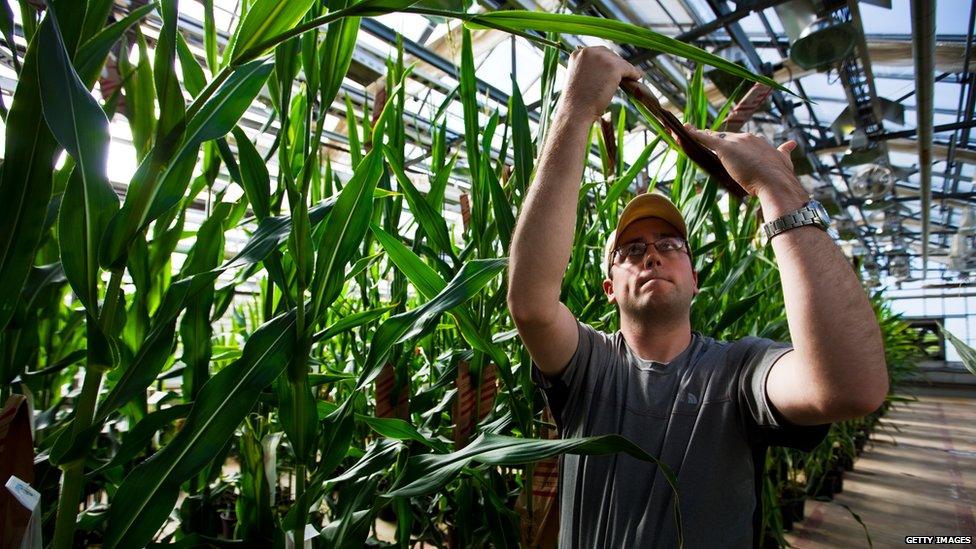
(643, 206)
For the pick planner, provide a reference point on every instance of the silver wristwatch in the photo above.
(812, 213)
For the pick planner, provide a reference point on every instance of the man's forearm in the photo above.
(543, 238)
(832, 323)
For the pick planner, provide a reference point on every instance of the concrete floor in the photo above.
(916, 477)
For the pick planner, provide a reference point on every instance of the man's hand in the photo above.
(594, 75)
(762, 170)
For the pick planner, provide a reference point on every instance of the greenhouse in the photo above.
(445, 273)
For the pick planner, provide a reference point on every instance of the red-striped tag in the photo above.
(465, 211)
(388, 404)
(470, 407)
(540, 527)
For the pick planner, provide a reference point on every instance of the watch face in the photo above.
(821, 213)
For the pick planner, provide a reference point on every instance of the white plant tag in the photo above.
(310, 532)
(27, 496)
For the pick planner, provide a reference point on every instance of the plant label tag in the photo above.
(310, 532)
(27, 496)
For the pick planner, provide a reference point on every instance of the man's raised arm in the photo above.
(837, 369)
(543, 237)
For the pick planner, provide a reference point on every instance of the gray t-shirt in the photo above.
(705, 414)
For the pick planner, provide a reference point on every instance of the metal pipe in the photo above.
(923, 30)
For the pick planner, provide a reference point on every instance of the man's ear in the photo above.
(608, 289)
(694, 277)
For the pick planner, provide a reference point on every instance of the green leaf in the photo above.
(335, 54)
(472, 277)
(736, 311)
(193, 76)
(139, 437)
(469, 102)
(140, 95)
(148, 494)
(421, 275)
(343, 232)
(157, 346)
(150, 194)
(429, 284)
(7, 27)
(216, 118)
(430, 221)
(25, 186)
(524, 152)
(427, 473)
(396, 428)
(79, 124)
(91, 55)
(271, 232)
(966, 353)
(616, 31)
(624, 181)
(210, 36)
(348, 322)
(264, 19)
(381, 453)
(254, 175)
(500, 205)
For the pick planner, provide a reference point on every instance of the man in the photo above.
(708, 409)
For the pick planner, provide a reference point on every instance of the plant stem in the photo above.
(74, 472)
(298, 537)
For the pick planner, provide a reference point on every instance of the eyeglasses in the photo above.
(634, 251)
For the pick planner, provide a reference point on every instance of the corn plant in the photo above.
(354, 359)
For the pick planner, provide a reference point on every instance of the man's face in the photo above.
(660, 284)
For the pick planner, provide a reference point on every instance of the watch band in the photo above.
(798, 218)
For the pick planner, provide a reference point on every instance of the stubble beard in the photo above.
(668, 307)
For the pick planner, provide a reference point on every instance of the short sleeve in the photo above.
(762, 422)
(564, 392)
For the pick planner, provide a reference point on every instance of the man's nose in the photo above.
(652, 257)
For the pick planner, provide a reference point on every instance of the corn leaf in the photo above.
(91, 55)
(355, 320)
(254, 175)
(148, 494)
(524, 152)
(432, 224)
(428, 473)
(335, 54)
(7, 27)
(150, 194)
(616, 31)
(469, 102)
(343, 232)
(472, 277)
(79, 124)
(140, 436)
(398, 429)
(264, 19)
(25, 184)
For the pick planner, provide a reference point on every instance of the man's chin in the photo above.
(664, 307)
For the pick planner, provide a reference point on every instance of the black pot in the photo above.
(792, 511)
(837, 480)
(827, 485)
(228, 521)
